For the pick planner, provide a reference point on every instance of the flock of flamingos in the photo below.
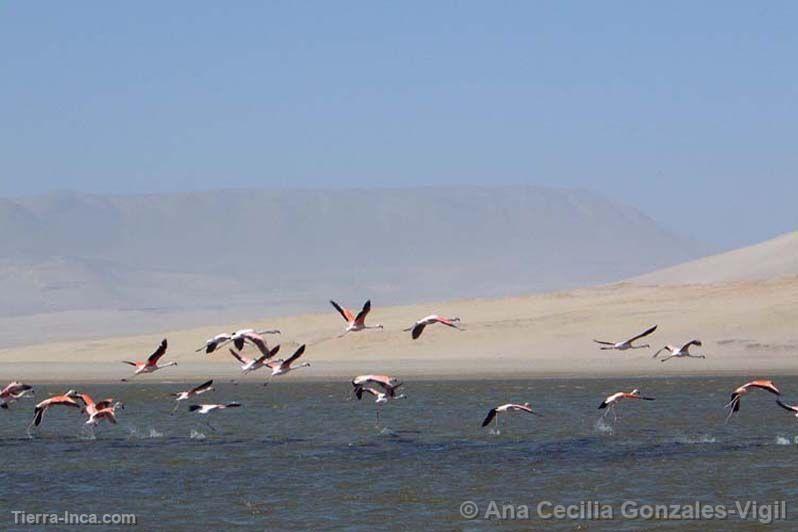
(382, 387)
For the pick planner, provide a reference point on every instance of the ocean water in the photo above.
(308, 456)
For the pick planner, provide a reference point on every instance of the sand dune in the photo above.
(747, 328)
(768, 260)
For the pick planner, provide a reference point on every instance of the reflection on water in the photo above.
(303, 455)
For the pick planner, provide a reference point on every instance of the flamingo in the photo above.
(509, 407)
(734, 404)
(627, 344)
(252, 364)
(107, 413)
(90, 407)
(212, 344)
(206, 386)
(355, 323)
(14, 391)
(612, 401)
(208, 408)
(241, 336)
(281, 367)
(683, 351)
(389, 384)
(40, 409)
(151, 364)
(418, 327)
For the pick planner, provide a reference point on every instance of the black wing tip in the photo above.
(489, 417)
(194, 408)
(602, 405)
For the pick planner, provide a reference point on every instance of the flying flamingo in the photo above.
(212, 344)
(14, 391)
(387, 383)
(151, 364)
(91, 407)
(281, 367)
(418, 327)
(239, 337)
(734, 404)
(206, 386)
(40, 409)
(612, 401)
(355, 323)
(683, 351)
(207, 409)
(509, 407)
(252, 364)
(107, 413)
(627, 344)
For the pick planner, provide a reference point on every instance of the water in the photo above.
(304, 456)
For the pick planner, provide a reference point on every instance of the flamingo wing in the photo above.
(489, 417)
(417, 330)
(161, 351)
(298, 353)
(258, 341)
(201, 387)
(345, 313)
(361, 316)
(764, 385)
(643, 334)
(686, 346)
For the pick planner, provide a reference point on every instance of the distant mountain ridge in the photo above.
(228, 248)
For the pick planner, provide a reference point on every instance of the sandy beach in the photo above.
(748, 328)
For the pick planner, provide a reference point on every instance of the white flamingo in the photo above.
(680, 352)
(612, 401)
(493, 413)
(252, 364)
(418, 327)
(627, 344)
(281, 367)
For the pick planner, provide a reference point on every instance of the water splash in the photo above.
(604, 427)
(781, 440)
(494, 432)
(197, 435)
(133, 432)
(701, 438)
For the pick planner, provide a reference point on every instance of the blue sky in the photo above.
(686, 110)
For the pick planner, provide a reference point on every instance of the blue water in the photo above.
(306, 456)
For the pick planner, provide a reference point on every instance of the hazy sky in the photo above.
(687, 110)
